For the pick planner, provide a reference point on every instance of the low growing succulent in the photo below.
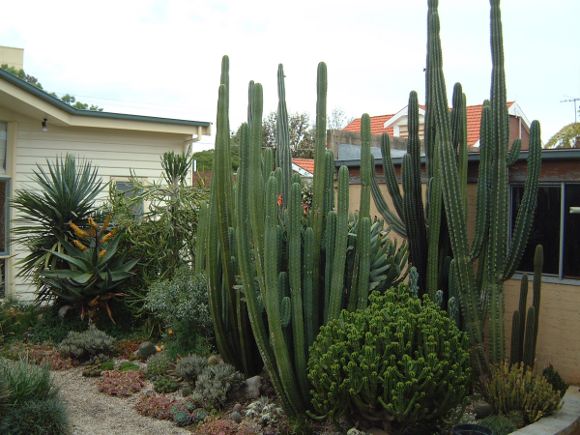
(121, 384)
(554, 378)
(165, 384)
(158, 365)
(128, 366)
(499, 424)
(87, 345)
(155, 406)
(264, 412)
(402, 359)
(190, 367)
(516, 388)
(216, 384)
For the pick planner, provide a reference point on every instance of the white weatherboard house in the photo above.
(34, 127)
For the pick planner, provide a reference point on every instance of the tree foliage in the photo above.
(567, 137)
(66, 98)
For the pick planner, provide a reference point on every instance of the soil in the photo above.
(95, 413)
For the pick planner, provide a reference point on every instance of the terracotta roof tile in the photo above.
(306, 164)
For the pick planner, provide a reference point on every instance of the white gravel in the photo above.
(94, 413)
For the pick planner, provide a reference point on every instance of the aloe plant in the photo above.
(95, 269)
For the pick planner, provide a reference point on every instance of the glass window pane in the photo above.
(545, 230)
(572, 231)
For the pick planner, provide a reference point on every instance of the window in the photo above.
(556, 226)
(132, 194)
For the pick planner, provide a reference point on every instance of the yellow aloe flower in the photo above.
(170, 332)
(107, 221)
(79, 245)
(92, 223)
(102, 252)
(78, 231)
(107, 237)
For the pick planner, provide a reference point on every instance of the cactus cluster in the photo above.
(515, 388)
(401, 360)
(525, 327)
(478, 268)
(283, 269)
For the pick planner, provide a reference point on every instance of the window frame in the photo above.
(547, 277)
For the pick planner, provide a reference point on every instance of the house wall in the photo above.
(558, 341)
(115, 152)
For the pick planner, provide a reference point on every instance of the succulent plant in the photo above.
(516, 388)
(216, 384)
(121, 384)
(165, 384)
(264, 412)
(158, 365)
(190, 367)
(555, 380)
(401, 359)
(155, 406)
(87, 345)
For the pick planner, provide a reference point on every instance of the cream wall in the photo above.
(559, 329)
(115, 152)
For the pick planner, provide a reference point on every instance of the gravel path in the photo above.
(94, 413)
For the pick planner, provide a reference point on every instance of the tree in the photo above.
(567, 137)
(301, 133)
(67, 98)
(338, 119)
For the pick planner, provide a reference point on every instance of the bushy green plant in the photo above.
(190, 367)
(25, 381)
(164, 236)
(36, 417)
(93, 268)
(401, 360)
(499, 424)
(127, 366)
(215, 384)
(158, 365)
(181, 303)
(87, 345)
(165, 384)
(554, 378)
(67, 192)
(29, 403)
(516, 388)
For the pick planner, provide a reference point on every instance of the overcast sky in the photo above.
(162, 57)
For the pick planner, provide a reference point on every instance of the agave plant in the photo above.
(94, 269)
(67, 190)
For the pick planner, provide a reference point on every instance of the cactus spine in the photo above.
(525, 328)
(446, 161)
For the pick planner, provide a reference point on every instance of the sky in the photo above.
(162, 57)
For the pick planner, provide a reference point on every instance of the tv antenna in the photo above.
(573, 100)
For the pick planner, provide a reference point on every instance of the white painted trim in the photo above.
(401, 113)
(301, 171)
(516, 110)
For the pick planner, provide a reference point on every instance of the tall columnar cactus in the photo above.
(289, 270)
(525, 328)
(496, 256)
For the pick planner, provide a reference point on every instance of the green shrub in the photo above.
(190, 367)
(36, 417)
(128, 366)
(87, 345)
(401, 359)
(517, 388)
(555, 380)
(165, 384)
(216, 384)
(499, 424)
(181, 303)
(25, 381)
(158, 365)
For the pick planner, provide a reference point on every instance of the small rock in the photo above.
(252, 387)
(237, 407)
(377, 431)
(482, 409)
(236, 416)
(214, 360)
